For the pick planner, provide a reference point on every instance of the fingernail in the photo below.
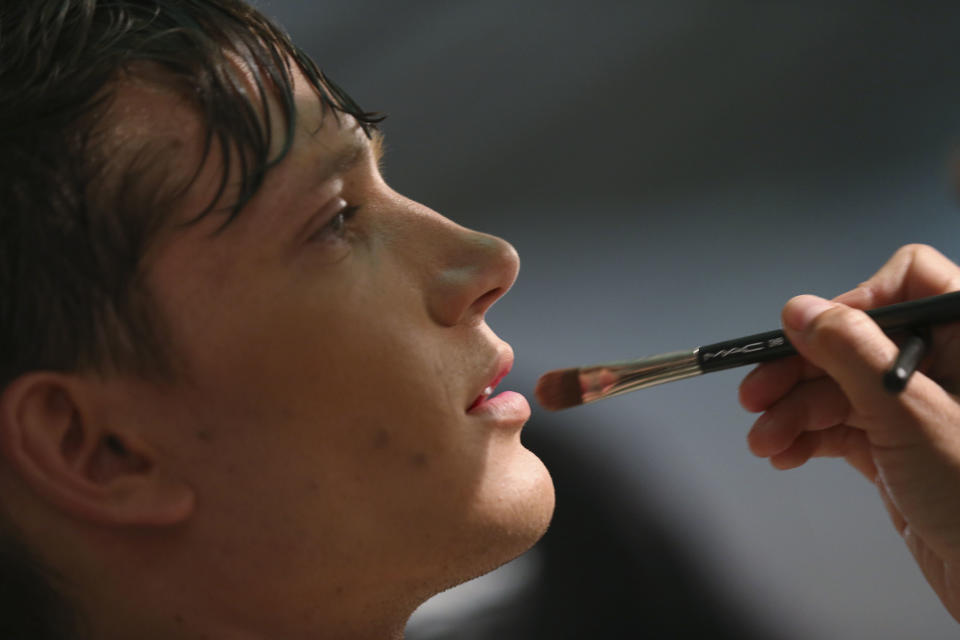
(800, 311)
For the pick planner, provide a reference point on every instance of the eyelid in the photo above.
(329, 203)
(326, 215)
(332, 208)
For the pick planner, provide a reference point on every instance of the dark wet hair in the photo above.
(75, 226)
(72, 232)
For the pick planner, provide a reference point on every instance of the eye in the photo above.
(338, 224)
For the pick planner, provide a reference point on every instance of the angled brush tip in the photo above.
(559, 389)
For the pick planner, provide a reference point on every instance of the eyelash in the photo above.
(336, 227)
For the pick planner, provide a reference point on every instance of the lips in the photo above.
(502, 368)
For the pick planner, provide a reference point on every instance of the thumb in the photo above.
(849, 347)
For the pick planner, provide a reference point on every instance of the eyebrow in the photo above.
(350, 155)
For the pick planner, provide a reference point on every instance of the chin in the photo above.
(517, 517)
(510, 511)
(533, 513)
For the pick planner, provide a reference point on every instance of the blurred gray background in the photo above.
(671, 172)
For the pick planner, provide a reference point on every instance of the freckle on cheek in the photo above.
(419, 460)
(381, 439)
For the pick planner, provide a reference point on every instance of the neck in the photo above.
(153, 624)
(160, 608)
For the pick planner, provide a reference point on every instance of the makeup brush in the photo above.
(566, 388)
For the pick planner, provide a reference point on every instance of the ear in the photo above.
(53, 436)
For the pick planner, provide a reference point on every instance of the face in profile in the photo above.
(337, 414)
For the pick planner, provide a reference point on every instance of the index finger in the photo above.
(770, 381)
(914, 271)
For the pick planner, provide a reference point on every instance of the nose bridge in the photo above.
(473, 270)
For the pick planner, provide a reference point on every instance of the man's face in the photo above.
(334, 347)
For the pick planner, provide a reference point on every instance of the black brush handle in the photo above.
(911, 353)
(758, 347)
(770, 345)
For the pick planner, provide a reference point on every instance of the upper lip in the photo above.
(497, 371)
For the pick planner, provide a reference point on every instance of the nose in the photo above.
(476, 269)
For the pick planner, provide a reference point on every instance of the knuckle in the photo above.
(839, 327)
(917, 251)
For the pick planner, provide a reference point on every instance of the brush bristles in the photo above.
(559, 389)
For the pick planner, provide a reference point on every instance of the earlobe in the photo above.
(70, 454)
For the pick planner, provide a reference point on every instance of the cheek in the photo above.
(398, 416)
(358, 393)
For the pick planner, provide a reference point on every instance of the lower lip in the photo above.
(507, 408)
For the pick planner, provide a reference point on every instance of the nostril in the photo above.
(486, 301)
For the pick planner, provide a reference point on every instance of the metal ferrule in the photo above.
(606, 380)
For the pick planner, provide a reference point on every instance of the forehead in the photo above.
(156, 143)
(148, 132)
